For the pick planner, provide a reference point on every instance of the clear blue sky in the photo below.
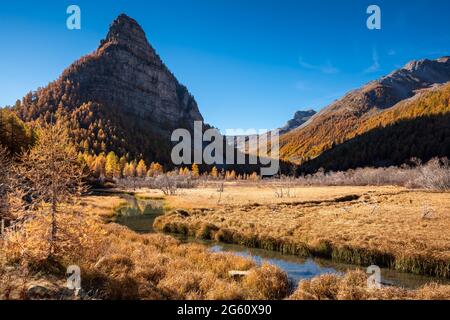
(249, 63)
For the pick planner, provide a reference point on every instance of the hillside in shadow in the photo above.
(423, 137)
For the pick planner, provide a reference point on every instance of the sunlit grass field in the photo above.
(389, 226)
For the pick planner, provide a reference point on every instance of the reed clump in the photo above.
(353, 286)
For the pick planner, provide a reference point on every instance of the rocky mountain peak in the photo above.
(300, 117)
(126, 72)
(125, 32)
(415, 75)
(338, 121)
(425, 70)
(126, 85)
(415, 64)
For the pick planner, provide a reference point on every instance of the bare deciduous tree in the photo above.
(435, 175)
(166, 184)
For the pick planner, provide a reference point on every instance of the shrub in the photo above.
(353, 286)
(206, 231)
(115, 265)
(267, 282)
(325, 287)
(435, 175)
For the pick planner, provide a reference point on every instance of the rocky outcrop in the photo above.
(120, 98)
(300, 117)
(125, 72)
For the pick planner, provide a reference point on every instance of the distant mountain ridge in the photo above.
(300, 117)
(120, 98)
(340, 121)
(418, 127)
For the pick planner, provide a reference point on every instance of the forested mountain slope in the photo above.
(418, 127)
(346, 118)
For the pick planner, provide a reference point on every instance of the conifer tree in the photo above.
(122, 163)
(98, 166)
(214, 172)
(195, 170)
(112, 166)
(52, 176)
(230, 175)
(141, 169)
(86, 146)
(130, 170)
(155, 169)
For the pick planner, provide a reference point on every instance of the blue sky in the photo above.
(249, 63)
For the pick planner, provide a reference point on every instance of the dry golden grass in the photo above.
(120, 264)
(102, 206)
(243, 193)
(117, 263)
(388, 226)
(353, 286)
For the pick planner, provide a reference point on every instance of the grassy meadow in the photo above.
(388, 226)
(118, 263)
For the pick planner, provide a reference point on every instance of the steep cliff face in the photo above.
(123, 89)
(340, 121)
(126, 72)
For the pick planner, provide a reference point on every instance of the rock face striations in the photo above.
(126, 72)
(119, 98)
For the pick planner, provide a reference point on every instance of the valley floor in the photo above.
(117, 263)
(388, 226)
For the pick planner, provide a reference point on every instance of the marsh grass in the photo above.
(353, 286)
(413, 263)
(117, 263)
(396, 237)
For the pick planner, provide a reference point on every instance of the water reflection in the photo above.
(296, 270)
(139, 214)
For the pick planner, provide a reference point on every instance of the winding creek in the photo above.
(139, 214)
